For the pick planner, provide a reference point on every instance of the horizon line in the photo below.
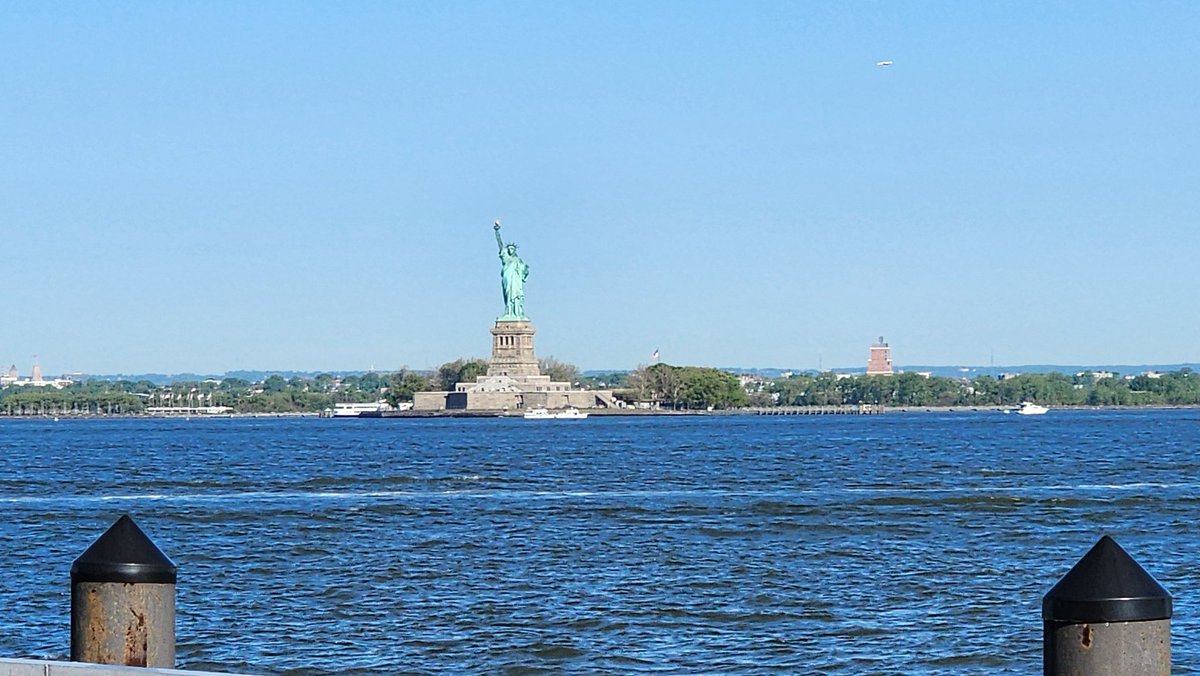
(897, 368)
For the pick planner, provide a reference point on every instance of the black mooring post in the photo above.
(1107, 616)
(123, 601)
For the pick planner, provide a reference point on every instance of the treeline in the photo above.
(275, 394)
(660, 385)
(123, 397)
(912, 389)
(684, 387)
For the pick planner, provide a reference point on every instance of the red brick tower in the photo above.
(879, 363)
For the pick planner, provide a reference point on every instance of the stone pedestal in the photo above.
(512, 350)
(513, 381)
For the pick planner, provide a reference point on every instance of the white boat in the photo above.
(1030, 408)
(356, 409)
(545, 414)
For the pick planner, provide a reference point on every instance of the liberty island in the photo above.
(513, 380)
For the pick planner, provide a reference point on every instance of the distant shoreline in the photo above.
(605, 413)
(147, 416)
(1061, 407)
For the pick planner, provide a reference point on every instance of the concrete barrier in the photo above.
(45, 668)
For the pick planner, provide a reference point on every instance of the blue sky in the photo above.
(210, 186)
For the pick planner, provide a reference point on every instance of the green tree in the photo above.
(275, 384)
(694, 387)
(459, 371)
(372, 382)
(559, 371)
(402, 385)
(666, 384)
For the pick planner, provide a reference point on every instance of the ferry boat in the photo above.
(1030, 408)
(356, 409)
(540, 413)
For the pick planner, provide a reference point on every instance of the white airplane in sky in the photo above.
(883, 63)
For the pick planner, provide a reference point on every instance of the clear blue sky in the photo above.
(209, 186)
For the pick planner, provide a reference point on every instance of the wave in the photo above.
(774, 500)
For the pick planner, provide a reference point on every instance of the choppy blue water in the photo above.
(902, 543)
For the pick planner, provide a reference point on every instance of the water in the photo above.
(902, 543)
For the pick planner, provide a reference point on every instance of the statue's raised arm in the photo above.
(499, 242)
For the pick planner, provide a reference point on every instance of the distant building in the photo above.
(752, 383)
(879, 362)
(13, 379)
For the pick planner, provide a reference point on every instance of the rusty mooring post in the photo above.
(1107, 616)
(123, 601)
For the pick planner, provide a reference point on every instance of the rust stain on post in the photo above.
(136, 640)
(94, 627)
(1085, 635)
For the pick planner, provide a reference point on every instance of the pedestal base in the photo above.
(512, 350)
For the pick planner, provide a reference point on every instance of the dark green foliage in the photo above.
(692, 387)
(459, 371)
(1055, 389)
(52, 401)
(275, 385)
(680, 387)
(402, 385)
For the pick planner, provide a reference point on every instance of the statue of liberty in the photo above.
(513, 273)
